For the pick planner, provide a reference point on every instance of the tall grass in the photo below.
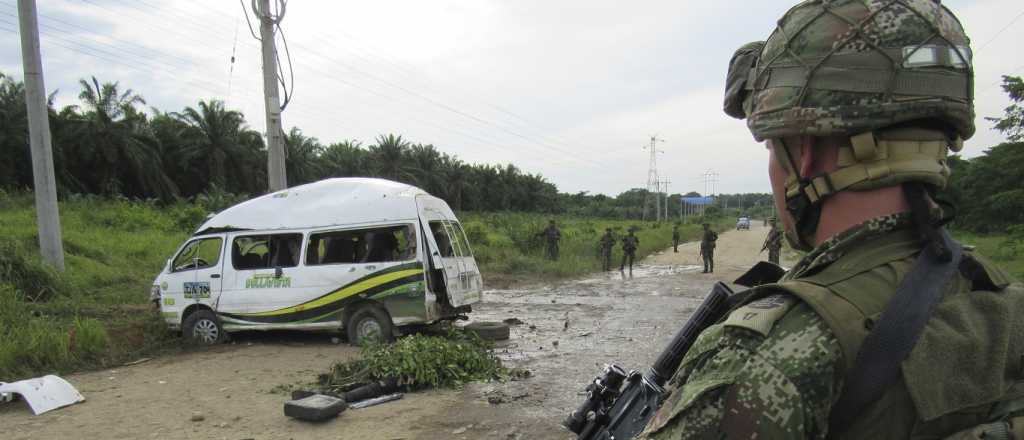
(1006, 249)
(507, 245)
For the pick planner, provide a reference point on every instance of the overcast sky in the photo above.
(570, 89)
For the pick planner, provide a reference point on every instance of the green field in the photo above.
(96, 313)
(1006, 250)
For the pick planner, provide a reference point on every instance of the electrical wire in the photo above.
(246, 13)
(290, 90)
(997, 34)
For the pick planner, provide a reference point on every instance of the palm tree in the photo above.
(345, 159)
(212, 139)
(389, 159)
(114, 146)
(302, 157)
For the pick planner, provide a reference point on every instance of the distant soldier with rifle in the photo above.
(606, 244)
(707, 248)
(773, 243)
(887, 328)
(551, 236)
(629, 245)
(675, 237)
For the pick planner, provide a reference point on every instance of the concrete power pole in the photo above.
(276, 174)
(45, 185)
(652, 180)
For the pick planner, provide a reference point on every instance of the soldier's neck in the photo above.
(847, 209)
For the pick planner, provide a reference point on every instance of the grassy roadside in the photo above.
(509, 251)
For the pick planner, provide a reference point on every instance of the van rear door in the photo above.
(449, 252)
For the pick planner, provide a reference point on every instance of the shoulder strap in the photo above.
(877, 365)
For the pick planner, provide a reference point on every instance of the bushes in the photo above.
(421, 361)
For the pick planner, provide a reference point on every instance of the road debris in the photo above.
(513, 321)
(197, 417)
(42, 394)
(376, 401)
(315, 408)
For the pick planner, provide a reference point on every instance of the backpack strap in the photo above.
(877, 365)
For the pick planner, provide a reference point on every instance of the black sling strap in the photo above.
(877, 366)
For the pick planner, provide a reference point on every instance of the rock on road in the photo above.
(570, 329)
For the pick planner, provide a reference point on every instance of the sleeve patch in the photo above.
(761, 315)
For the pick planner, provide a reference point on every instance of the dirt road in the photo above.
(570, 330)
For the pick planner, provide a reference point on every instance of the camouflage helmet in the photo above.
(893, 76)
(845, 67)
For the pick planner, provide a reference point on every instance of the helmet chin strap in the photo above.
(806, 213)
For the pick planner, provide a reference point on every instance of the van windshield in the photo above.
(366, 245)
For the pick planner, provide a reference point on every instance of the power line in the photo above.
(993, 38)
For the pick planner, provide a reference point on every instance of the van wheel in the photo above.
(203, 328)
(369, 325)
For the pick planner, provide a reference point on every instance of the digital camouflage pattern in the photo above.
(773, 243)
(781, 383)
(837, 67)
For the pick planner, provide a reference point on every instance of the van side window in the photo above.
(198, 254)
(265, 251)
(369, 245)
(444, 243)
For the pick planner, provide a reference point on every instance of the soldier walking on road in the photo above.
(675, 238)
(629, 245)
(773, 243)
(887, 328)
(607, 243)
(551, 236)
(707, 248)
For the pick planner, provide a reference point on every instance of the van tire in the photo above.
(367, 321)
(492, 331)
(202, 327)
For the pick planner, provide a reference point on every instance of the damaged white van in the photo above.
(353, 254)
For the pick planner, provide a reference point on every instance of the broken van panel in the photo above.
(362, 255)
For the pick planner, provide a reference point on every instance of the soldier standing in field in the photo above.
(606, 244)
(675, 238)
(773, 243)
(551, 236)
(887, 328)
(707, 248)
(629, 245)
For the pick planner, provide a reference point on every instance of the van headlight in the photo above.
(154, 293)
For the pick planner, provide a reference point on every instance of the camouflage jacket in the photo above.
(630, 243)
(780, 380)
(774, 240)
(708, 240)
(607, 242)
(551, 234)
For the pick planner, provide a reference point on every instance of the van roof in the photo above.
(329, 202)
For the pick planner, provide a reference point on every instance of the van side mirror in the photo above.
(278, 272)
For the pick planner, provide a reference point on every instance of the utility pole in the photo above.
(45, 185)
(652, 179)
(276, 177)
(665, 186)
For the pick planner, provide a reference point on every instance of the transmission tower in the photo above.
(652, 179)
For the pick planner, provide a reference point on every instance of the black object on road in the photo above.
(315, 408)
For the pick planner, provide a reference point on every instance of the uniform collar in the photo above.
(843, 243)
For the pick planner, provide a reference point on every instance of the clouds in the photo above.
(570, 89)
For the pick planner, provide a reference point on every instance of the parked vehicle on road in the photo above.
(352, 254)
(743, 223)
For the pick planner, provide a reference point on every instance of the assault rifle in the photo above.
(619, 404)
(612, 411)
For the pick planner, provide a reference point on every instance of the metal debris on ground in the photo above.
(42, 394)
(376, 401)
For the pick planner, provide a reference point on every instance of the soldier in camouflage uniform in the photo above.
(707, 248)
(675, 238)
(773, 243)
(551, 236)
(629, 245)
(864, 98)
(606, 244)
